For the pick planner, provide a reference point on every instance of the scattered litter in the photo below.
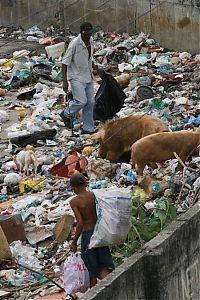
(146, 89)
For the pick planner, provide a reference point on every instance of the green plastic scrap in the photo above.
(165, 116)
(40, 277)
(59, 76)
(157, 103)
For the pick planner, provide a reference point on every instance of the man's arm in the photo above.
(66, 62)
(79, 226)
(65, 82)
(94, 67)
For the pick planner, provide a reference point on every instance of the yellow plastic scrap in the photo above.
(87, 151)
(22, 114)
(138, 192)
(35, 184)
(29, 148)
(7, 66)
(75, 172)
(21, 108)
(2, 92)
(9, 62)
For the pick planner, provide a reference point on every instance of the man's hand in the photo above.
(101, 73)
(65, 86)
(73, 247)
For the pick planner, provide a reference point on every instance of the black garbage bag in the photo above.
(43, 70)
(109, 99)
(27, 95)
(31, 139)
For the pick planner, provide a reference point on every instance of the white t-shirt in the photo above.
(79, 64)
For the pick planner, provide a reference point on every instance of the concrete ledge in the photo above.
(167, 267)
(112, 287)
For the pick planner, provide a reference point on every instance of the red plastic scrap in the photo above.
(69, 164)
(155, 49)
(60, 169)
(6, 211)
(113, 35)
(173, 78)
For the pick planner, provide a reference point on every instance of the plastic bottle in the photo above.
(156, 187)
(131, 176)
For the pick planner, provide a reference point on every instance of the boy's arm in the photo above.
(79, 226)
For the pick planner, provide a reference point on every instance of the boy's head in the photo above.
(78, 181)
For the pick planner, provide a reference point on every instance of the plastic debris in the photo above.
(150, 80)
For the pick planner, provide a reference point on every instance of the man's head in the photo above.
(78, 182)
(86, 30)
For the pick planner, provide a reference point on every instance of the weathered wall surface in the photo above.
(175, 23)
(167, 268)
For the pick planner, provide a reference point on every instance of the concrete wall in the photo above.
(175, 23)
(167, 268)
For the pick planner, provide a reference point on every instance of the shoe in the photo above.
(67, 121)
(88, 132)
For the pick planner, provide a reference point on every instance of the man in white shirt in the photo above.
(77, 67)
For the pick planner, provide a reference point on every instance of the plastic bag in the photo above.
(113, 207)
(3, 116)
(109, 99)
(76, 275)
(138, 60)
(35, 184)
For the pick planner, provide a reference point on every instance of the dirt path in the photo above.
(8, 46)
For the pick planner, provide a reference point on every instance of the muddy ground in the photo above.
(8, 46)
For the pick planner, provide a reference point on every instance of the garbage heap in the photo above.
(35, 216)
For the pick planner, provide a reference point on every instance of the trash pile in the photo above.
(38, 154)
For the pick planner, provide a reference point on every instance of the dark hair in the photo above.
(78, 180)
(85, 26)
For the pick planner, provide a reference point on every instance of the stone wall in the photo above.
(175, 23)
(167, 268)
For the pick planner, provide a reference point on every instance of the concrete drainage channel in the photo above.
(167, 267)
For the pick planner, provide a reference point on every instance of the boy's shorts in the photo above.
(95, 258)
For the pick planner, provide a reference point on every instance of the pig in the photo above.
(159, 147)
(117, 136)
(24, 159)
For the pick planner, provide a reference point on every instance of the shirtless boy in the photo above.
(97, 260)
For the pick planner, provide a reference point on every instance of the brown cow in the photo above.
(160, 147)
(117, 136)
